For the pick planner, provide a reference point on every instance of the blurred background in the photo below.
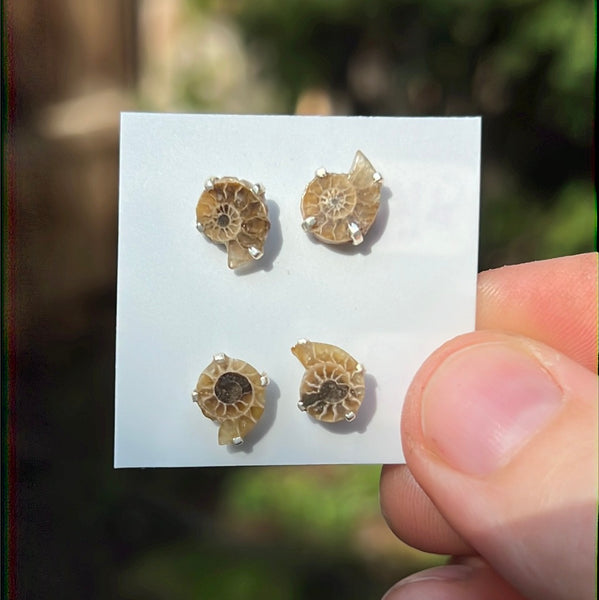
(77, 527)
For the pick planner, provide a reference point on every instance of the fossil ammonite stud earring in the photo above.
(233, 212)
(231, 393)
(332, 388)
(339, 207)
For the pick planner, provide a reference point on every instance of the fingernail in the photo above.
(484, 403)
(401, 590)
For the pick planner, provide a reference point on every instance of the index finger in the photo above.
(552, 301)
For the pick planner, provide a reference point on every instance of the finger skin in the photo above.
(554, 301)
(413, 517)
(534, 519)
(463, 579)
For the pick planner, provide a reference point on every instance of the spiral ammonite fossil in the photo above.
(233, 212)
(332, 388)
(338, 207)
(231, 393)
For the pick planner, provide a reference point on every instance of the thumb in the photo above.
(500, 432)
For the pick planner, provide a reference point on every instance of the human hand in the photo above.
(499, 431)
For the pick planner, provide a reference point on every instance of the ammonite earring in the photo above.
(231, 393)
(233, 212)
(339, 207)
(332, 388)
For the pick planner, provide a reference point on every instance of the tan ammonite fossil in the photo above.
(339, 207)
(231, 393)
(233, 212)
(332, 388)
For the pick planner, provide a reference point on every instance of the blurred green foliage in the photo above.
(281, 533)
(187, 571)
(321, 505)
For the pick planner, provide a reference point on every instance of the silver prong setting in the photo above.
(255, 253)
(237, 441)
(194, 396)
(219, 358)
(376, 177)
(200, 227)
(302, 341)
(301, 406)
(359, 368)
(209, 183)
(258, 189)
(350, 416)
(355, 233)
(308, 224)
(321, 172)
(264, 379)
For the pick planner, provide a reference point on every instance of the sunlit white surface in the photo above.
(389, 302)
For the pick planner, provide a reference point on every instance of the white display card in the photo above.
(389, 302)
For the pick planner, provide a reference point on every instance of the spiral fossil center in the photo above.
(231, 387)
(334, 199)
(223, 220)
(224, 223)
(338, 200)
(330, 391)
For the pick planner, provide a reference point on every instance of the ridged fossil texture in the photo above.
(233, 212)
(231, 393)
(338, 208)
(332, 388)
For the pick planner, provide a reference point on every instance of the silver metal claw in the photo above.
(255, 253)
(258, 189)
(355, 234)
(308, 223)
